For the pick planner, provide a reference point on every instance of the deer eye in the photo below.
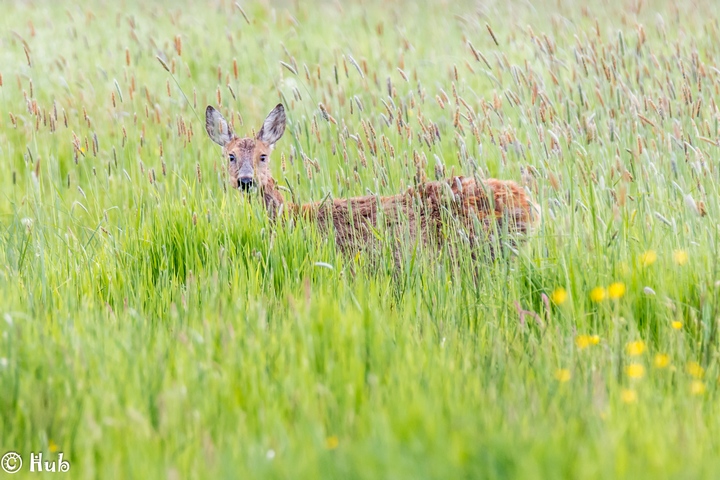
(263, 158)
(232, 157)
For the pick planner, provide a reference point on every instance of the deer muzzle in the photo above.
(245, 183)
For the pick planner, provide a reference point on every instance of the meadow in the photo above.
(155, 324)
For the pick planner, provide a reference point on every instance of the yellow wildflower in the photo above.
(562, 375)
(694, 369)
(635, 370)
(648, 258)
(676, 325)
(559, 295)
(616, 290)
(584, 341)
(52, 446)
(332, 442)
(635, 348)
(680, 257)
(628, 396)
(598, 294)
(662, 360)
(697, 387)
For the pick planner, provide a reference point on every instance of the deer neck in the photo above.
(275, 204)
(272, 198)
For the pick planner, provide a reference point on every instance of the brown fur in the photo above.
(428, 215)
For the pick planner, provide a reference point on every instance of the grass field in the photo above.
(154, 324)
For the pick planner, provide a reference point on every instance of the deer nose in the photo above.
(245, 183)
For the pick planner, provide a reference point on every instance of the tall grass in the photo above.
(155, 324)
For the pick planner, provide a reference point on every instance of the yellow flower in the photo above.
(635, 348)
(628, 396)
(616, 290)
(676, 325)
(694, 369)
(697, 387)
(52, 446)
(332, 442)
(662, 360)
(562, 375)
(584, 341)
(648, 258)
(680, 257)
(635, 370)
(559, 296)
(598, 294)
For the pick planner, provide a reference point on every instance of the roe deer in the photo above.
(426, 212)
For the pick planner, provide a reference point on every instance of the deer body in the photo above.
(423, 215)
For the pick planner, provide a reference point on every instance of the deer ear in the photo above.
(274, 126)
(217, 127)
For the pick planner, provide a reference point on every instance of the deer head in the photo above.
(248, 158)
